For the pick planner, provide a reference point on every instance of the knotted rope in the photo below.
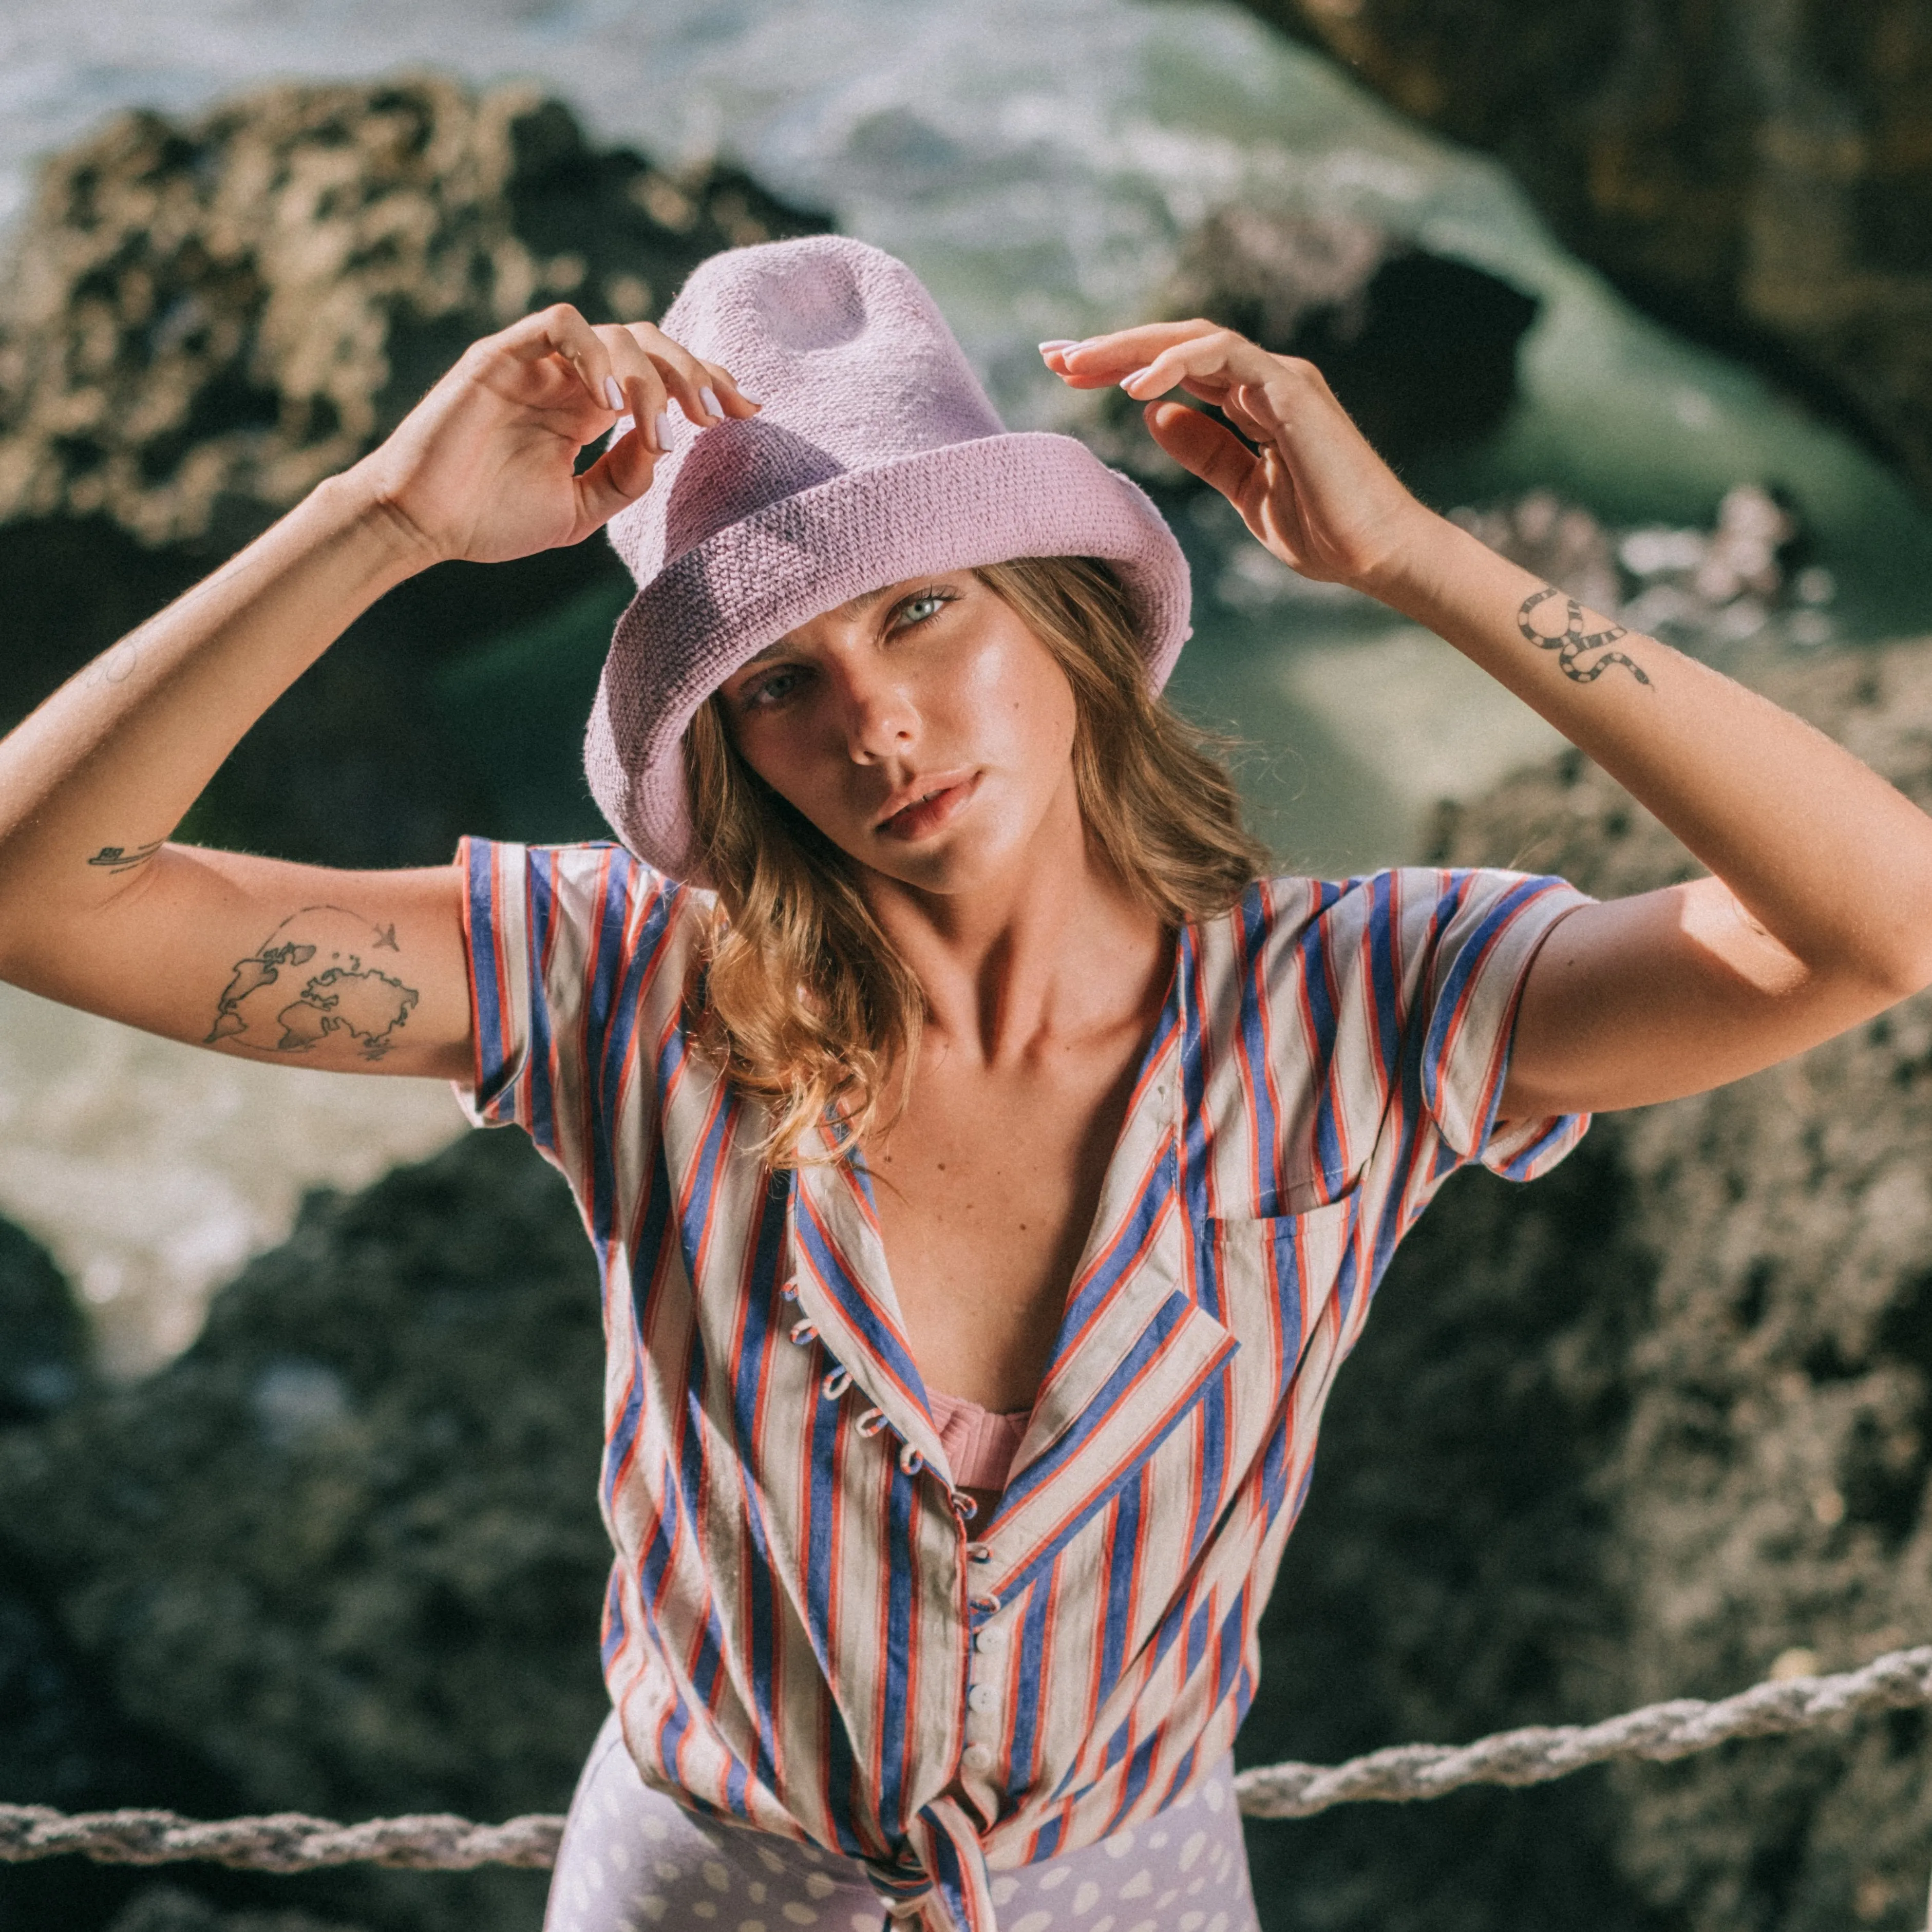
(289, 1842)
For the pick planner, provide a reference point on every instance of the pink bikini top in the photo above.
(979, 1444)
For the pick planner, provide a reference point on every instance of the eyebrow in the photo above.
(856, 606)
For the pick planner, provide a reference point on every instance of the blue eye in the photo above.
(764, 693)
(928, 603)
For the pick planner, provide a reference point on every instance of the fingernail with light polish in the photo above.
(612, 394)
(1059, 342)
(708, 397)
(662, 427)
(1128, 382)
(757, 402)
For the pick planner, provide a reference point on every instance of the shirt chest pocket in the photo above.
(1292, 1288)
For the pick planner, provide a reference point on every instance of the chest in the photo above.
(985, 1193)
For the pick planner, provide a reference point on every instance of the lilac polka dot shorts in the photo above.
(633, 1860)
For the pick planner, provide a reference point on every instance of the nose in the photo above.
(881, 720)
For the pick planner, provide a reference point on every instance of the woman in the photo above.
(990, 1170)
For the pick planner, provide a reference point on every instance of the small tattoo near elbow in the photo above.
(125, 858)
(1573, 641)
(116, 666)
(316, 956)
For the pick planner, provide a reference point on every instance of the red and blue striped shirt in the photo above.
(806, 1630)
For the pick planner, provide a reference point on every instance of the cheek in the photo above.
(783, 759)
(1043, 725)
(1023, 699)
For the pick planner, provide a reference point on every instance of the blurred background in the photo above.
(298, 1383)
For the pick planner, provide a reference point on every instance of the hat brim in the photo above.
(956, 507)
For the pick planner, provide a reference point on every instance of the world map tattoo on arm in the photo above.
(1573, 641)
(274, 1001)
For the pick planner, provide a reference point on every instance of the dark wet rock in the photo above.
(168, 1908)
(50, 1739)
(1656, 1427)
(202, 319)
(1421, 348)
(1756, 175)
(1454, 1570)
(64, 1740)
(45, 1349)
(345, 1551)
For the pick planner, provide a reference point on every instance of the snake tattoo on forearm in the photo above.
(1573, 641)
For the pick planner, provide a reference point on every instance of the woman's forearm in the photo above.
(96, 779)
(1830, 860)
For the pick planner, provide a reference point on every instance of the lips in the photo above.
(929, 804)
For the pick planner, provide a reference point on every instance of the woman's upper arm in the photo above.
(354, 972)
(1666, 993)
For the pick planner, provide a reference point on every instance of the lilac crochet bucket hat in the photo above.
(877, 456)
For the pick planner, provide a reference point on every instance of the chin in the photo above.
(951, 865)
(927, 872)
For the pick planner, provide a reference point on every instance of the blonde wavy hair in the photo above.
(802, 999)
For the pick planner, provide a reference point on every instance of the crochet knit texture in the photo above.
(877, 458)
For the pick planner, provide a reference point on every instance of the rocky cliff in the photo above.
(205, 318)
(1755, 174)
(201, 319)
(1647, 1427)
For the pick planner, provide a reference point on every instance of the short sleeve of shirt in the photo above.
(1466, 941)
(1390, 1004)
(562, 941)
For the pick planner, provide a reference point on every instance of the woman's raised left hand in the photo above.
(484, 467)
(1311, 488)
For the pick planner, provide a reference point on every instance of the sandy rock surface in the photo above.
(206, 318)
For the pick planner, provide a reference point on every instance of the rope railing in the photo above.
(289, 1842)
(1658, 1733)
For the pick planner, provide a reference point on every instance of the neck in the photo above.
(1053, 951)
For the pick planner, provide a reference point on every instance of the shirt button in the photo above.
(979, 1757)
(981, 1697)
(989, 1638)
(980, 1552)
(986, 1603)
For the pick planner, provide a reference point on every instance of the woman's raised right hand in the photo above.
(484, 467)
